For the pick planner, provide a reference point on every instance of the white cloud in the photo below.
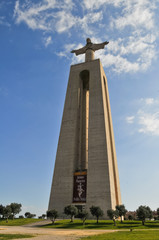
(64, 22)
(89, 18)
(149, 123)
(55, 16)
(118, 63)
(47, 41)
(149, 101)
(94, 4)
(142, 48)
(67, 50)
(138, 20)
(130, 119)
(47, 15)
(136, 13)
(132, 22)
(146, 117)
(32, 15)
(66, 53)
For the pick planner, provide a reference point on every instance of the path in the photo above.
(50, 234)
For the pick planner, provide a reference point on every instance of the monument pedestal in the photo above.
(86, 172)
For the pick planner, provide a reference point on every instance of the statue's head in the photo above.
(88, 40)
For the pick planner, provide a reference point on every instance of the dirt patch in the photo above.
(54, 234)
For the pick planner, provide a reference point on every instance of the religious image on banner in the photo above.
(79, 191)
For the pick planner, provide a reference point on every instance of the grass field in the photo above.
(104, 224)
(134, 235)
(18, 222)
(14, 236)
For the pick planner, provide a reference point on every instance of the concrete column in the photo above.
(96, 148)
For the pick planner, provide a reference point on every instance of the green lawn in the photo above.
(134, 235)
(14, 236)
(18, 222)
(103, 224)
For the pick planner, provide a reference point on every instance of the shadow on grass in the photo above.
(130, 222)
(80, 225)
(102, 225)
(151, 226)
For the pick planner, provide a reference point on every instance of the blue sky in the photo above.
(36, 38)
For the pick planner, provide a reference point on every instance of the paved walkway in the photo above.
(50, 234)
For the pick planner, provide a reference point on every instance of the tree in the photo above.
(143, 212)
(150, 216)
(2, 210)
(122, 211)
(130, 217)
(43, 216)
(96, 211)
(52, 214)
(158, 213)
(113, 214)
(7, 212)
(83, 216)
(29, 215)
(16, 208)
(71, 211)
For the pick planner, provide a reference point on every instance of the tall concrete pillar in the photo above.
(86, 171)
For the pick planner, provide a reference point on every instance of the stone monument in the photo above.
(86, 171)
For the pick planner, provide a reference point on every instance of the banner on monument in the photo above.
(80, 187)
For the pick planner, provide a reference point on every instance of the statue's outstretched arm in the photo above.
(99, 45)
(79, 51)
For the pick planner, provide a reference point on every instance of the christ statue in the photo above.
(89, 49)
